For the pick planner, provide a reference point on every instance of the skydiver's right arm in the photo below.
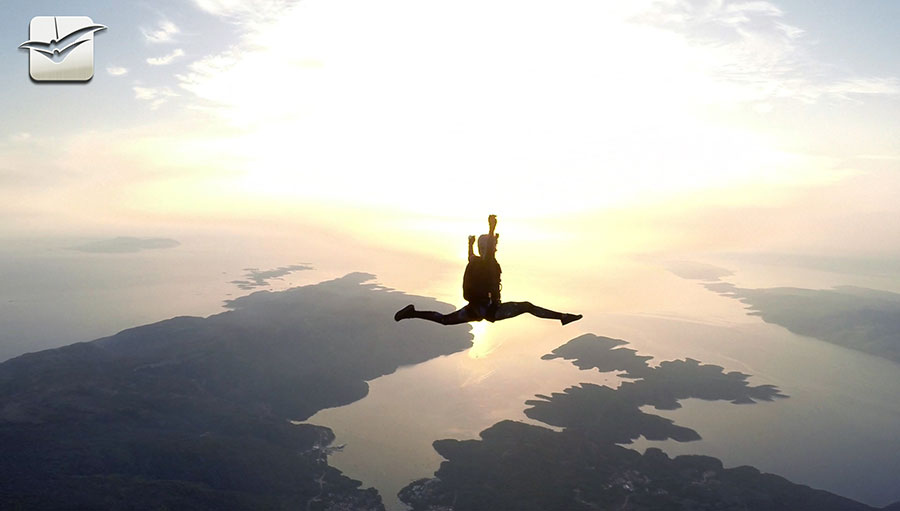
(492, 224)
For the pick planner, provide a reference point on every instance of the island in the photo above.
(202, 413)
(582, 466)
(858, 318)
(853, 317)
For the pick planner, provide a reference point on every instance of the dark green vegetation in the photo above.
(194, 413)
(853, 317)
(517, 466)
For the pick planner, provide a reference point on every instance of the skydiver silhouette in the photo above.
(481, 288)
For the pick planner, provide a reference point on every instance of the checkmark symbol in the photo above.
(58, 48)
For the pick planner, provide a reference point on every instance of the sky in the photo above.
(642, 126)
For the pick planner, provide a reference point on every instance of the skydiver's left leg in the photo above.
(463, 315)
(508, 310)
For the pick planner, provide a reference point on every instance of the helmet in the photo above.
(487, 244)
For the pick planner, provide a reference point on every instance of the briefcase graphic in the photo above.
(61, 48)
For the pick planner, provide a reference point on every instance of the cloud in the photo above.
(715, 19)
(125, 244)
(20, 137)
(697, 271)
(751, 54)
(864, 86)
(245, 11)
(116, 70)
(166, 59)
(163, 33)
(603, 111)
(155, 95)
(880, 157)
(586, 104)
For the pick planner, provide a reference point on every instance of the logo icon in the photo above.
(61, 48)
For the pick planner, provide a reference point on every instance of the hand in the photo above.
(471, 240)
(492, 221)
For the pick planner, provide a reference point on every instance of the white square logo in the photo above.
(61, 48)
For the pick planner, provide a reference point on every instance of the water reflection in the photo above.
(483, 344)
